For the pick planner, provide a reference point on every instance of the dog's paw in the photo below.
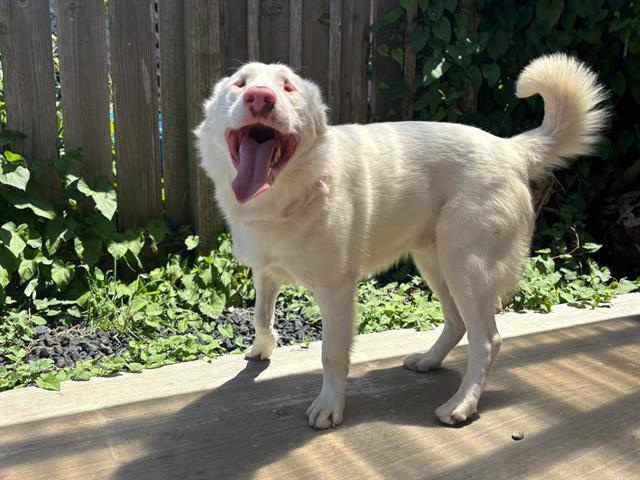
(262, 347)
(421, 362)
(454, 412)
(326, 410)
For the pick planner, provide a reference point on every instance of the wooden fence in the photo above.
(146, 60)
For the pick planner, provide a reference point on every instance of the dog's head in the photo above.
(266, 114)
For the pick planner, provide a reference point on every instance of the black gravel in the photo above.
(290, 331)
(68, 346)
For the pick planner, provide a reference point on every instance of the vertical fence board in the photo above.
(203, 68)
(295, 35)
(135, 98)
(274, 31)
(233, 34)
(175, 135)
(353, 70)
(27, 64)
(335, 49)
(253, 29)
(315, 42)
(82, 43)
(385, 70)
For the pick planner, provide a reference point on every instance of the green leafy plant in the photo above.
(469, 55)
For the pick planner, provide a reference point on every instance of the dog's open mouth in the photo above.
(259, 154)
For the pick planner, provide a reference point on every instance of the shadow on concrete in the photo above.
(577, 382)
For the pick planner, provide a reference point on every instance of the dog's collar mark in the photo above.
(321, 185)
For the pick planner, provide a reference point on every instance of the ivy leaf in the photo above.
(497, 45)
(618, 24)
(392, 15)
(8, 136)
(158, 230)
(419, 38)
(436, 8)
(37, 205)
(88, 249)
(12, 239)
(442, 30)
(135, 367)
(450, 5)
(80, 375)
(423, 4)
(134, 241)
(100, 227)
(192, 241)
(103, 194)
(591, 247)
(31, 287)
(48, 381)
(491, 72)
(4, 277)
(117, 249)
(14, 175)
(549, 11)
(61, 273)
(58, 231)
(398, 55)
(440, 69)
(215, 307)
(27, 270)
(226, 330)
(406, 4)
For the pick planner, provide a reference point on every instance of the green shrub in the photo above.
(452, 61)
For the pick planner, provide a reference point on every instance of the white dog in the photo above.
(324, 206)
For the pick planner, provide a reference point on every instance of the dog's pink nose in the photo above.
(259, 100)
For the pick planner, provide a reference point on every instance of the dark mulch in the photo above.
(67, 346)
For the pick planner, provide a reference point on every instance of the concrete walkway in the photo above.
(569, 380)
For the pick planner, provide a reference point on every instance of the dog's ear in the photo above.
(318, 107)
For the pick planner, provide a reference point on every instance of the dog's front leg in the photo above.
(267, 288)
(337, 305)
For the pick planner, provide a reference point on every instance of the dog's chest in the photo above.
(286, 251)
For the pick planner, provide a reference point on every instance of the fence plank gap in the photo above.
(175, 134)
(135, 98)
(203, 68)
(29, 82)
(82, 43)
(386, 72)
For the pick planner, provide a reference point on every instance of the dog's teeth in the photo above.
(276, 155)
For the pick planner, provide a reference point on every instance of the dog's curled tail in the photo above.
(572, 120)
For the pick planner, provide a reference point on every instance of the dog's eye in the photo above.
(239, 84)
(289, 88)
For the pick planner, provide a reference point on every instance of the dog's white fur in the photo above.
(355, 198)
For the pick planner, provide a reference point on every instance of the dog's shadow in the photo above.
(246, 423)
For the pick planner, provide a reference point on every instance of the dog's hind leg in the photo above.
(267, 288)
(467, 269)
(427, 262)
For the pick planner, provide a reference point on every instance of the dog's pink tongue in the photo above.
(253, 170)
